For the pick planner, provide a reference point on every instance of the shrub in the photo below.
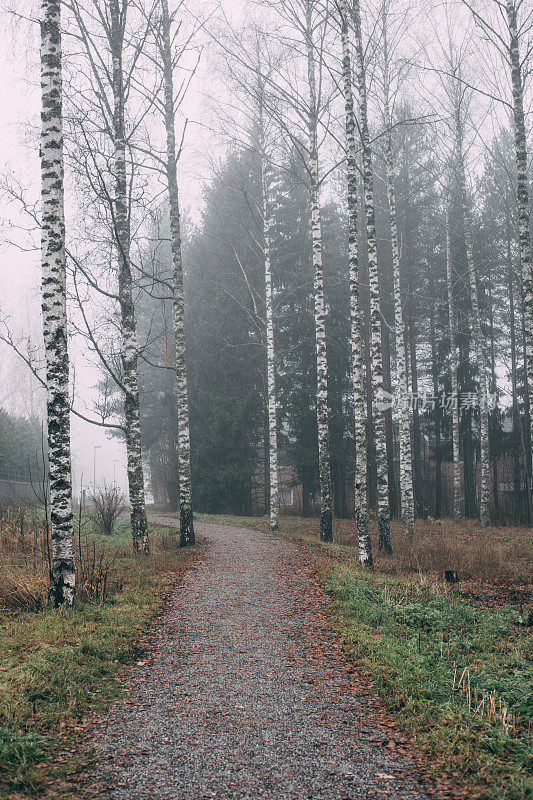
(108, 505)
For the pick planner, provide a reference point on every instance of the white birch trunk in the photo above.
(184, 447)
(54, 308)
(375, 309)
(524, 218)
(360, 488)
(139, 524)
(457, 493)
(406, 461)
(271, 364)
(271, 370)
(326, 514)
(478, 335)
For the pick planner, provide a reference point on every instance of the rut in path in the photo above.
(246, 692)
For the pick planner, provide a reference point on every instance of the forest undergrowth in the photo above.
(60, 668)
(493, 567)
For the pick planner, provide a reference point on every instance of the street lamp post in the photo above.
(95, 448)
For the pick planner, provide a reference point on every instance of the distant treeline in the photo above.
(225, 308)
(21, 453)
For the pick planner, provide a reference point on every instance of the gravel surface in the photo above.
(245, 691)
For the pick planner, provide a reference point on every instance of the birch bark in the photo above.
(184, 447)
(360, 488)
(524, 219)
(375, 310)
(406, 464)
(478, 335)
(519, 440)
(139, 524)
(273, 489)
(437, 415)
(326, 514)
(457, 493)
(271, 369)
(53, 301)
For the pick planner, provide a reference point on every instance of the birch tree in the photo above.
(524, 217)
(326, 513)
(139, 524)
(457, 492)
(406, 465)
(516, 30)
(375, 307)
(110, 85)
(63, 579)
(184, 448)
(296, 105)
(303, 99)
(360, 493)
(271, 364)
(251, 66)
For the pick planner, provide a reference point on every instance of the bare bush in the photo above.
(108, 504)
(24, 558)
(94, 563)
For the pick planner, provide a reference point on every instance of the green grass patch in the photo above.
(18, 750)
(57, 666)
(459, 677)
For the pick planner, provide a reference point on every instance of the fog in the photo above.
(20, 271)
(216, 115)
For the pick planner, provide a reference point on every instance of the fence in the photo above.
(19, 491)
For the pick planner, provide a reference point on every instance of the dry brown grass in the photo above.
(24, 558)
(492, 563)
(58, 669)
(100, 560)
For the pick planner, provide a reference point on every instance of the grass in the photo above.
(458, 677)
(59, 668)
(453, 664)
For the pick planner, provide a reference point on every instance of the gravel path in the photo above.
(246, 693)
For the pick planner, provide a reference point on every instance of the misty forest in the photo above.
(266, 414)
